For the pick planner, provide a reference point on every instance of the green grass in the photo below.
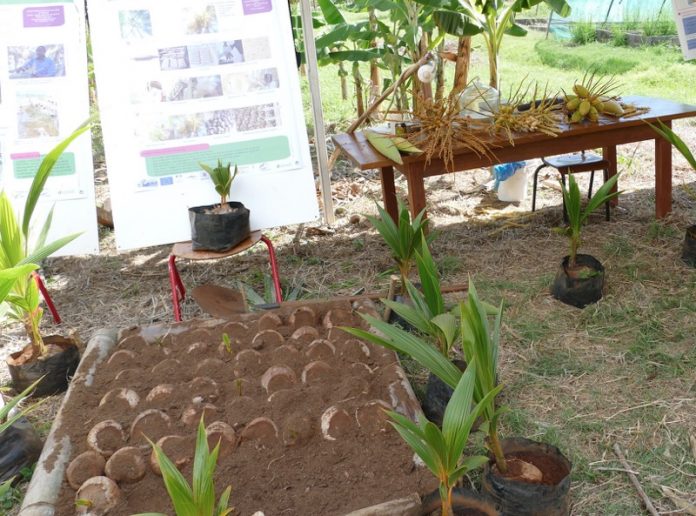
(557, 55)
(582, 33)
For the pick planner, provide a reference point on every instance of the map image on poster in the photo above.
(44, 97)
(188, 82)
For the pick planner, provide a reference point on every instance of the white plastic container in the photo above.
(514, 188)
(478, 100)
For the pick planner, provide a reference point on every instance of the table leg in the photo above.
(609, 154)
(416, 193)
(389, 193)
(663, 176)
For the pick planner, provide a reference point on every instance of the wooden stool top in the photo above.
(185, 249)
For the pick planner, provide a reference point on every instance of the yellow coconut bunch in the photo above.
(592, 97)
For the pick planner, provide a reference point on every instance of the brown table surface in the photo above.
(606, 134)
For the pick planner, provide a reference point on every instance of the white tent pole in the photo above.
(319, 130)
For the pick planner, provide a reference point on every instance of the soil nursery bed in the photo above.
(305, 401)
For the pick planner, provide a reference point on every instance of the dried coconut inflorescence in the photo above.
(517, 115)
(442, 129)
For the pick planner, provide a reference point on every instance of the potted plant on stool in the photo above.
(219, 227)
(580, 279)
(53, 358)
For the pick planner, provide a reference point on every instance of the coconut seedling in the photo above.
(219, 227)
(23, 296)
(427, 312)
(479, 344)
(689, 249)
(10, 412)
(442, 449)
(593, 96)
(222, 178)
(577, 216)
(197, 498)
(403, 237)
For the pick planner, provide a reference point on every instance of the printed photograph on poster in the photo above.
(174, 58)
(232, 52)
(26, 62)
(253, 81)
(251, 118)
(203, 55)
(176, 90)
(201, 20)
(191, 88)
(256, 49)
(194, 125)
(37, 115)
(135, 25)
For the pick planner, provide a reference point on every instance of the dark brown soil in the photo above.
(552, 470)
(27, 354)
(282, 462)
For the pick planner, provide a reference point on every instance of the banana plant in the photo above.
(493, 19)
(403, 237)
(577, 216)
(197, 498)
(23, 297)
(442, 450)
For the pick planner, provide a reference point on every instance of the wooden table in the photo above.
(606, 134)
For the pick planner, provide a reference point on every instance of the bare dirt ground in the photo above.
(622, 371)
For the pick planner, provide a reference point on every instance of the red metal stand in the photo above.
(47, 298)
(184, 250)
(274, 268)
(178, 289)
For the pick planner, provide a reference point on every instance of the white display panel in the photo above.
(44, 97)
(685, 14)
(188, 81)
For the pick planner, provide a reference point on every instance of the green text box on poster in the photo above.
(240, 153)
(26, 168)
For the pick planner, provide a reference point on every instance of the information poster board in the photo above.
(685, 14)
(43, 98)
(189, 81)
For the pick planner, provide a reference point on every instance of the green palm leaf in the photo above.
(402, 341)
(198, 499)
(45, 168)
(8, 277)
(672, 137)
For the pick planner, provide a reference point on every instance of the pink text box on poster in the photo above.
(256, 6)
(48, 16)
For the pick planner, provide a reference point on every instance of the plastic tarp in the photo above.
(597, 11)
